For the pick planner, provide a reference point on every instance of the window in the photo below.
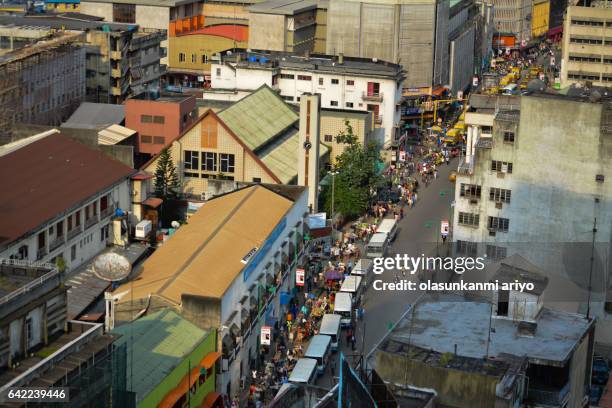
(193, 58)
(158, 140)
(304, 78)
(501, 166)
(191, 160)
(204, 59)
(146, 119)
(466, 247)
(503, 300)
(499, 195)
(469, 219)
(349, 104)
(218, 71)
(256, 180)
(192, 175)
(499, 224)
(159, 119)
(509, 137)
(333, 103)
(287, 76)
(486, 129)
(470, 190)
(23, 252)
(495, 252)
(373, 89)
(29, 334)
(350, 82)
(329, 138)
(77, 218)
(73, 252)
(321, 81)
(587, 22)
(104, 233)
(124, 13)
(181, 57)
(146, 139)
(227, 163)
(287, 98)
(209, 161)
(335, 81)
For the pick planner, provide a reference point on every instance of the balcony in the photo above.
(549, 397)
(56, 243)
(107, 212)
(372, 96)
(466, 168)
(74, 232)
(41, 253)
(91, 222)
(484, 143)
(115, 55)
(116, 73)
(378, 120)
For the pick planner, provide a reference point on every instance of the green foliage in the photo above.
(60, 263)
(166, 179)
(356, 177)
(446, 358)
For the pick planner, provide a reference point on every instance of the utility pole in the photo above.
(333, 174)
(591, 267)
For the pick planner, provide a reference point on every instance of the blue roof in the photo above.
(64, 1)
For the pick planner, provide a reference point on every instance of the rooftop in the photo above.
(58, 40)
(70, 21)
(316, 62)
(48, 177)
(231, 224)
(91, 115)
(152, 3)
(509, 273)
(114, 134)
(159, 342)
(286, 7)
(164, 97)
(439, 322)
(259, 117)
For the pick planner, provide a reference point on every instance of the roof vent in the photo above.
(527, 329)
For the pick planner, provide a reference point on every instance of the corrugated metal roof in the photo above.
(259, 117)
(282, 158)
(48, 177)
(95, 115)
(231, 224)
(114, 134)
(160, 342)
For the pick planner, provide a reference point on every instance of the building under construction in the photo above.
(42, 83)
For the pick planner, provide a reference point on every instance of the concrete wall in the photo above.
(92, 8)
(267, 32)
(154, 17)
(332, 123)
(579, 371)
(455, 388)
(461, 60)
(198, 45)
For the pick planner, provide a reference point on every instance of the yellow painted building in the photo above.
(540, 17)
(63, 6)
(333, 121)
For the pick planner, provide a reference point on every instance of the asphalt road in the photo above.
(418, 233)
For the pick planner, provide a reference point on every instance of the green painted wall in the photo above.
(208, 345)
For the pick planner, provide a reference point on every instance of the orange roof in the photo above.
(209, 248)
(153, 202)
(232, 31)
(210, 359)
(210, 400)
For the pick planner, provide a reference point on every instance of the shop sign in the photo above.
(266, 335)
(299, 277)
(444, 228)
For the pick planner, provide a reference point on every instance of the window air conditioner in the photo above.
(491, 233)
(473, 201)
(498, 205)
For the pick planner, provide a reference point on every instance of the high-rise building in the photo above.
(513, 17)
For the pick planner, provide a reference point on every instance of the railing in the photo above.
(32, 284)
(546, 397)
(91, 221)
(107, 212)
(378, 119)
(465, 168)
(74, 232)
(372, 96)
(41, 253)
(57, 242)
(484, 143)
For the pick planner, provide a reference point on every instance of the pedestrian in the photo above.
(349, 335)
(353, 342)
(402, 213)
(332, 367)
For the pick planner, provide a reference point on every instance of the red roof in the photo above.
(153, 202)
(232, 31)
(141, 175)
(47, 177)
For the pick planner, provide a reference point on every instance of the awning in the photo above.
(210, 359)
(186, 383)
(153, 202)
(211, 400)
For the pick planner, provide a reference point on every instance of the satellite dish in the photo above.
(595, 96)
(111, 267)
(175, 224)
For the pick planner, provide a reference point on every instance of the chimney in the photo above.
(308, 146)
(341, 58)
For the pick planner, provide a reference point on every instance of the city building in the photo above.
(255, 140)
(91, 115)
(283, 25)
(587, 56)
(473, 352)
(540, 17)
(343, 83)
(555, 19)
(245, 245)
(167, 358)
(413, 33)
(334, 121)
(122, 60)
(42, 348)
(159, 121)
(63, 6)
(462, 45)
(42, 83)
(513, 18)
(59, 201)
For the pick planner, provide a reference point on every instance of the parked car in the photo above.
(600, 371)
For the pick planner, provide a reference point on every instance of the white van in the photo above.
(363, 268)
(389, 227)
(330, 326)
(377, 247)
(343, 306)
(319, 349)
(304, 371)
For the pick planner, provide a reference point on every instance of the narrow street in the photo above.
(418, 233)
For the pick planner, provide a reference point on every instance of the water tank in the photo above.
(252, 59)
(263, 60)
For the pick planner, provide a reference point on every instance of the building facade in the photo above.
(463, 24)
(78, 224)
(413, 33)
(344, 83)
(540, 18)
(513, 17)
(587, 56)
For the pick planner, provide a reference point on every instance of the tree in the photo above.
(356, 176)
(166, 179)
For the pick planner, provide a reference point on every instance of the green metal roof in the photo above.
(160, 342)
(259, 117)
(282, 159)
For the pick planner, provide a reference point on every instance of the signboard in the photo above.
(475, 81)
(245, 259)
(299, 277)
(552, 61)
(444, 228)
(266, 335)
(402, 156)
(459, 94)
(317, 220)
(200, 79)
